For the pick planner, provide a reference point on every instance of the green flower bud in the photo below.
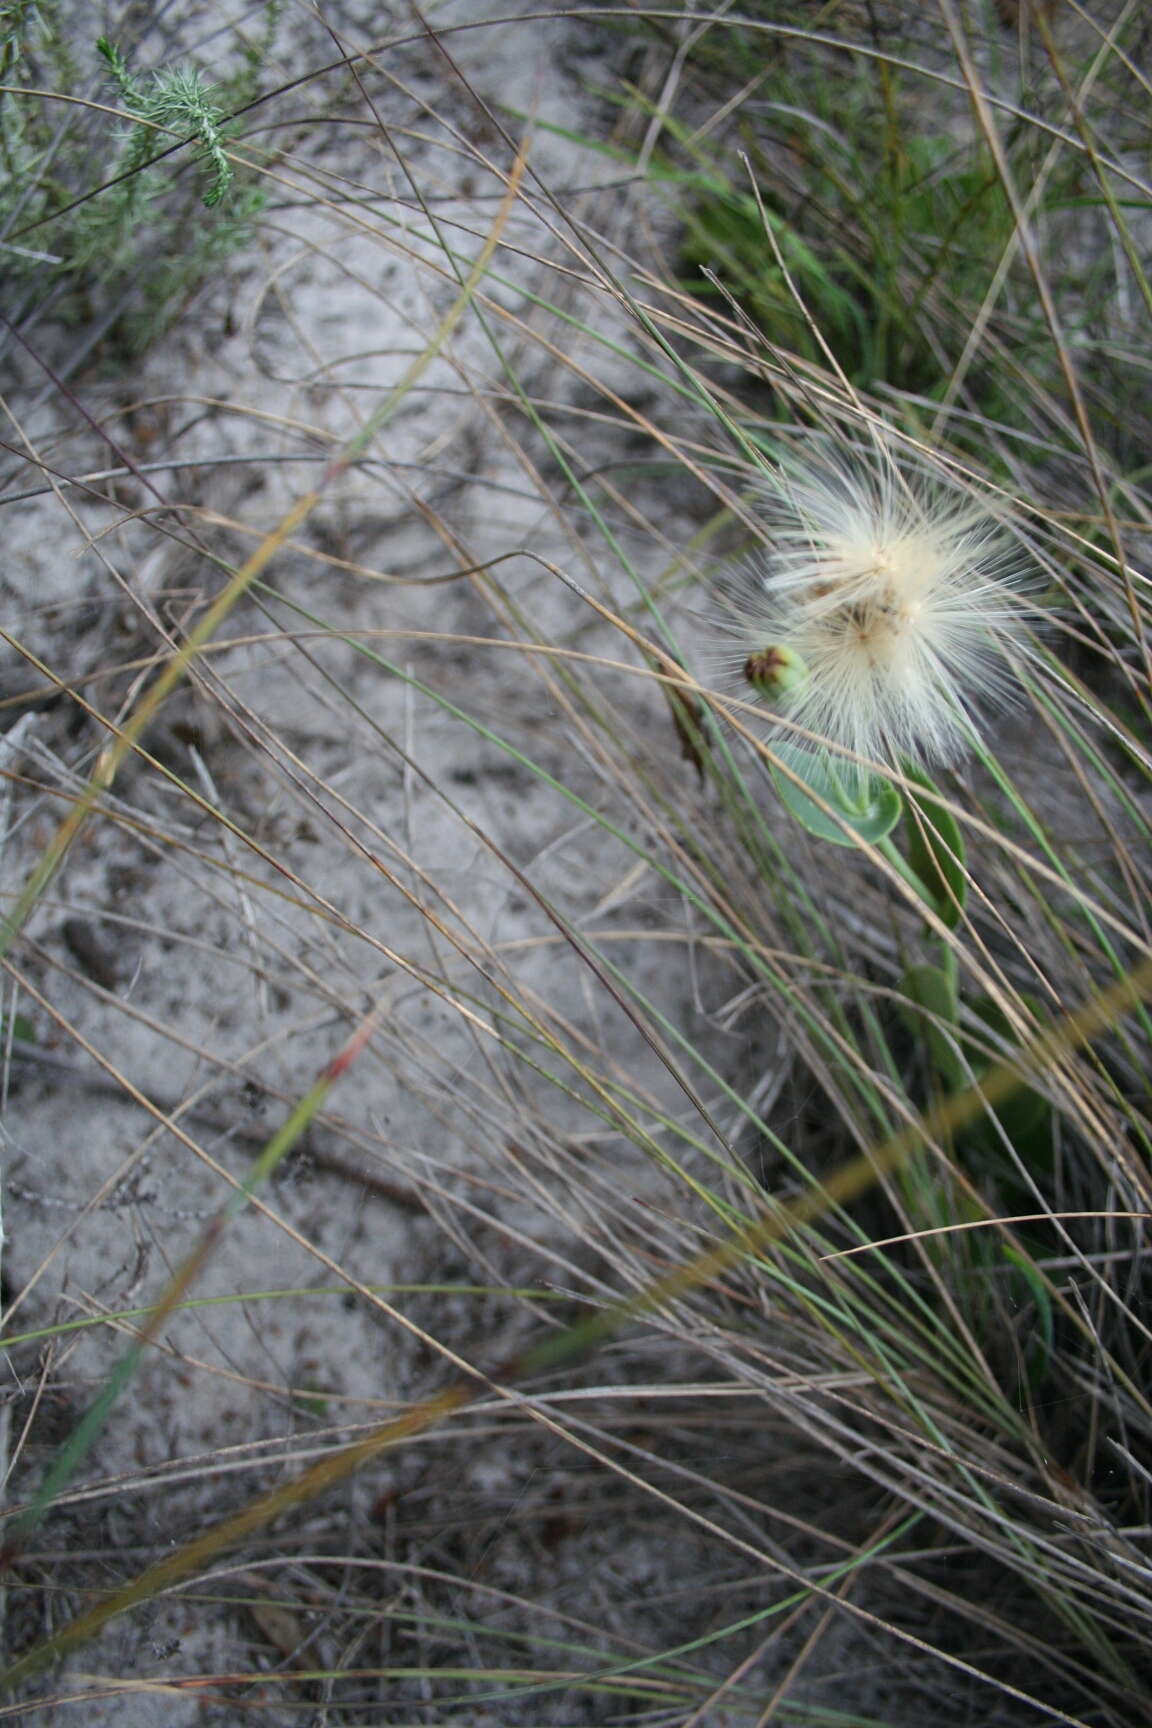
(775, 671)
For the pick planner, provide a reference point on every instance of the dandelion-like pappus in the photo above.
(883, 610)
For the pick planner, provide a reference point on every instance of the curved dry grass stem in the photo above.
(776, 1225)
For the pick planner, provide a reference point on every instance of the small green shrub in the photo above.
(94, 212)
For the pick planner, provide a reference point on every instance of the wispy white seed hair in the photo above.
(898, 593)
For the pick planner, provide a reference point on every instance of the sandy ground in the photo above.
(380, 859)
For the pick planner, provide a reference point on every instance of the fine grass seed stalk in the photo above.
(717, 1290)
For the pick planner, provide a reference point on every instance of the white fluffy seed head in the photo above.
(900, 595)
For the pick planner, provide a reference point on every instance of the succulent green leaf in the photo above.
(936, 851)
(870, 810)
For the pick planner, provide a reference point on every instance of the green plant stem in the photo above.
(948, 962)
(904, 870)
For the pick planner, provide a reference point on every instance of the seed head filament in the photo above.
(897, 594)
